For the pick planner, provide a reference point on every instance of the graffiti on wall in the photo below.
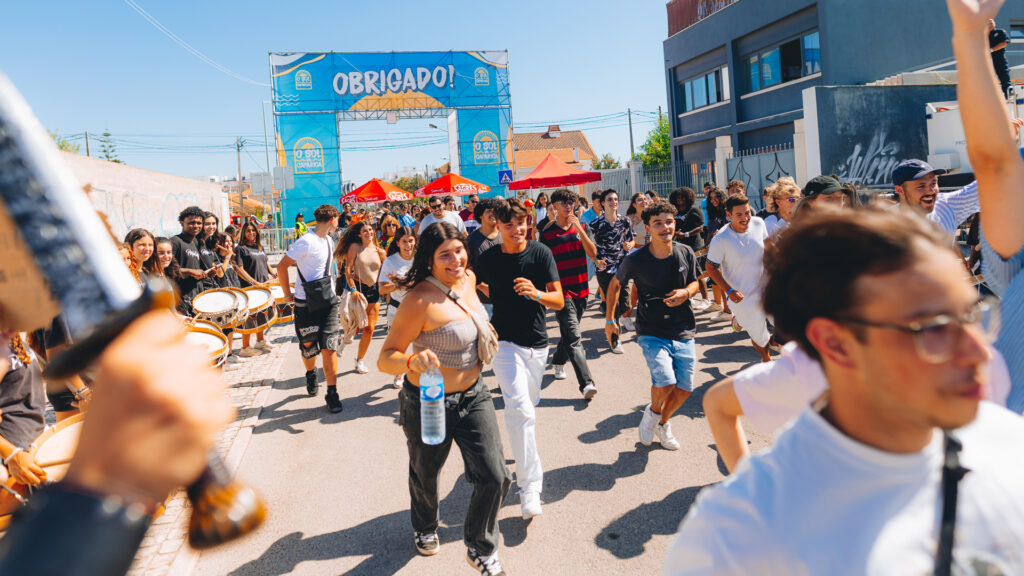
(127, 209)
(871, 164)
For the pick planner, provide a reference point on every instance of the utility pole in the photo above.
(629, 113)
(659, 114)
(241, 203)
(87, 143)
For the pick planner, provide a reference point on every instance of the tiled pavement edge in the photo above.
(164, 551)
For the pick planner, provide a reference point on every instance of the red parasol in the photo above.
(376, 190)
(553, 172)
(452, 184)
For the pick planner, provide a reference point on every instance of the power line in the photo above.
(188, 47)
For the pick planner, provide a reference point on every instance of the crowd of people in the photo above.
(892, 382)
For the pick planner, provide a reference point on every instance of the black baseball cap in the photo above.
(912, 170)
(822, 185)
(299, 215)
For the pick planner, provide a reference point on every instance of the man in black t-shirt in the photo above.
(483, 238)
(665, 273)
(521, 279)
(997, 40)
(186, 253)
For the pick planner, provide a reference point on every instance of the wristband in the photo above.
(537, 299)
(407, 361)
(12, 455)
(730, 291)
(609, 321)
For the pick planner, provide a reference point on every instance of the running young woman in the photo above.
(717, 219)
(444, 336)
(253, 269)
(362, 259)
(785, 196)
(396, 266)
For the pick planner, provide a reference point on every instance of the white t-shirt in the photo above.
(398, 266)
(449, 217)
(310, 253)
(773, 224)
(821, 503)
(773, 393)
(740, 256)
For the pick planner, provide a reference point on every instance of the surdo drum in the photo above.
(219, 306)
(205, 335)
(261, 311)
(285, 306)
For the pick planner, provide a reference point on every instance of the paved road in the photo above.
(337, 483)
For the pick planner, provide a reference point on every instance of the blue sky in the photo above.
(101, 66)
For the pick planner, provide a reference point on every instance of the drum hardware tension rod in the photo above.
(21, 499)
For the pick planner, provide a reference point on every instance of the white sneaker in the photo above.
(723, 315)
(397, 383)
(589, 391)
(233, 359)
(700, 305)
(264, 345)
(486, 565)
(248, 352)
(665, 437)
(627, 324)
(713, 306)
(560, 372)
(530, 502)
(647, 425)
(618, 349)
(361, 367)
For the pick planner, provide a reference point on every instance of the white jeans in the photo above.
(519, 372)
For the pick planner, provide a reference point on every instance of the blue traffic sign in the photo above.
(504, 176)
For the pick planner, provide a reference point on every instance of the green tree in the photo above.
(656, 150)
(606, 162)
(108, 151)
(411, 184)
(63, 143)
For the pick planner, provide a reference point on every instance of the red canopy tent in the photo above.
(376, 190)
(553, 172)
(452, 184)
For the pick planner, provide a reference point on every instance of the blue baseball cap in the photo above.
(912, 170)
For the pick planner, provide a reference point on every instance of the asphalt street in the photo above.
(336, 484)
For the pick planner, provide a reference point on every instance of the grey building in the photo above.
(738, 68)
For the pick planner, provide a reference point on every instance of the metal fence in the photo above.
(617, 178)
(276, 240)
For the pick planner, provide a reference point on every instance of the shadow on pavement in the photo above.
(368, 405)
(627, 535)
(612, 426)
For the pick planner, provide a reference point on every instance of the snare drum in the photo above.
(261, 311)
(53, 451)
(285, 306)
(218, 305)
(243, 304)
(212, 339)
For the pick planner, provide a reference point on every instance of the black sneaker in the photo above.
(427, 543)
(487, 565)
(311, 384)
(333, 402)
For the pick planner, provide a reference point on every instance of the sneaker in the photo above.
(229, 367)
(486, 565)
(627, 324)
(248, 352)
(560, 372)
(398, 381)
(723, 315)
(736, 326)
(361, 367)
(312, 387)
(665, 437)
(700, 305)
(530, 503)
(427, 543)
(589, 391)
(333, 401)
(647, 426)
(232, 359)
(263, 345)
(713, 306)
(618, 349)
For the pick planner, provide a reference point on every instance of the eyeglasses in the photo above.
(936, 338)
(390, 224)
(792, 199)
(434, 206)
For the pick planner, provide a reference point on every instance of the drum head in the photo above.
(211, 339)
(277, 291)
(241, 297)
(258, 298)
(205, 324)
(216, 301)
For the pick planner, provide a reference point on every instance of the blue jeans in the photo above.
(671, 362)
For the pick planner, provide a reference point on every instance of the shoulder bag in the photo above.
(320, 292)
(486, 335)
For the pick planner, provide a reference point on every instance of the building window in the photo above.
(1016, 31)
(704, 90)
(714, 95)
(700, 92)
(785, 62)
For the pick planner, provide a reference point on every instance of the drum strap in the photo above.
(952, 474)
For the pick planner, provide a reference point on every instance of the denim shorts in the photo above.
(671, 362)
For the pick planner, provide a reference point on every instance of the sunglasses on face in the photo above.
(435, 206)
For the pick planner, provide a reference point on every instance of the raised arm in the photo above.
(990, 144)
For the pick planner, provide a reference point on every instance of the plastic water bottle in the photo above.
(432, 407)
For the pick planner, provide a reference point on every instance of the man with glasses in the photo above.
(467, 213)
(613, 235)
(439, 214)
(860, 482)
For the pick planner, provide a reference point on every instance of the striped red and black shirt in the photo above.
(570, 258)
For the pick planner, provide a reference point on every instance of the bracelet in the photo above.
(407, 361)
(730, 291)
(12, 455)
(80, 393)
(537, 299)
(609, 321)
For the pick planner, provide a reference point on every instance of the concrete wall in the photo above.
(133, 197)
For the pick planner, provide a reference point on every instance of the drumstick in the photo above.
(74, 252)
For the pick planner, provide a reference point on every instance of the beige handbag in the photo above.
(486, 335)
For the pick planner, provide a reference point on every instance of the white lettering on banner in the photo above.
(396, 80)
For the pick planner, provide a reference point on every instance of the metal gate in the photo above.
(759, 168)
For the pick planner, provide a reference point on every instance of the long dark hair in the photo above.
(241, 235)
(716, 211)
(350, 237)
(429, 241)
(211, 240)
(403, 231)
(153, 267)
